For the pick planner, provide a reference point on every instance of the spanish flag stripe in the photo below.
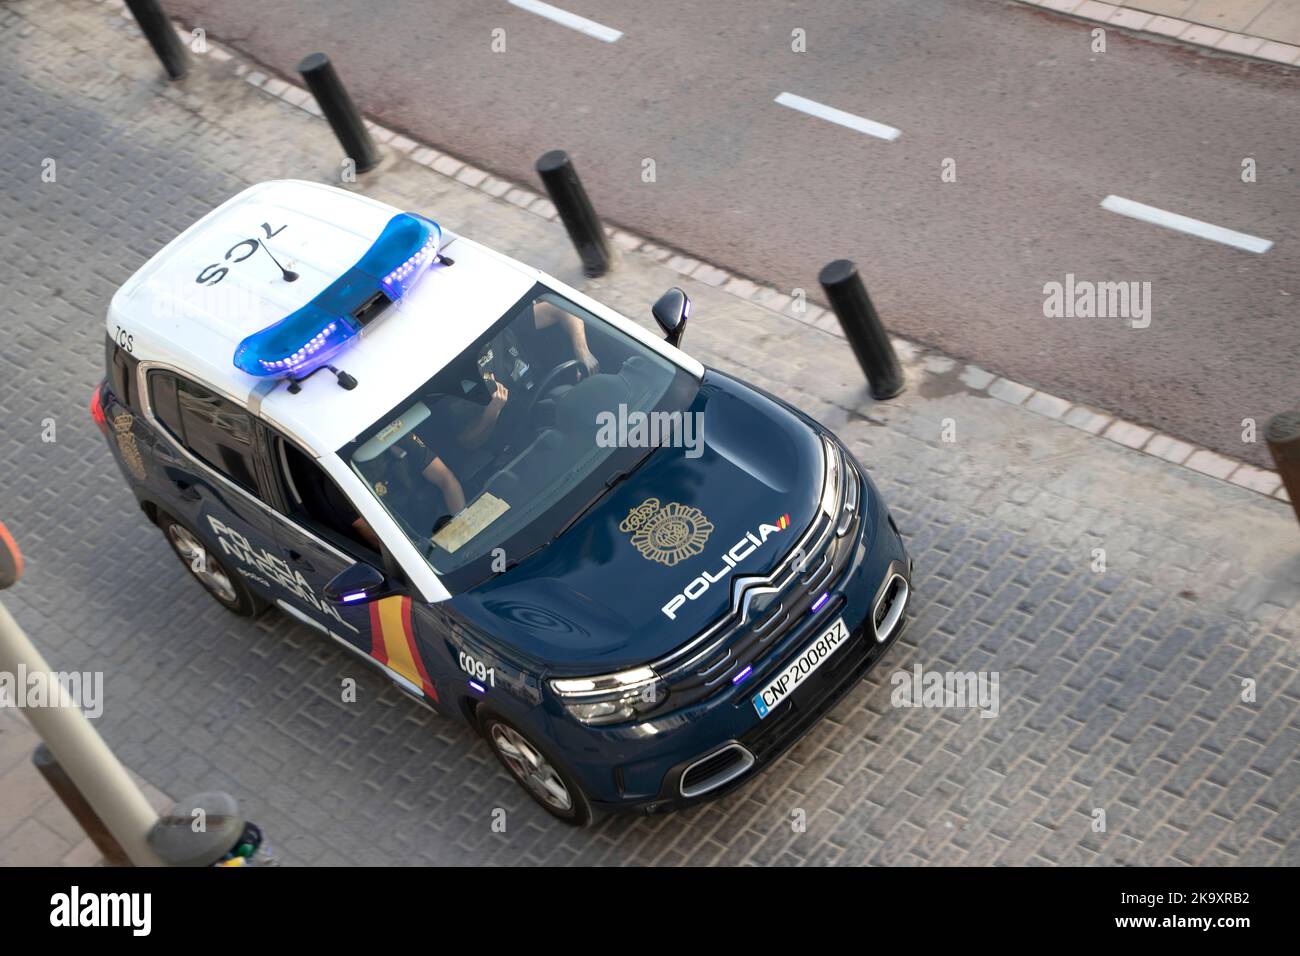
(377, 649)
(415, 651)
(394, 641)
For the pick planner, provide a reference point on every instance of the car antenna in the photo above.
(289, 274)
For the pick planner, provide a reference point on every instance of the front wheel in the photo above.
(204, 566)
(537, 772)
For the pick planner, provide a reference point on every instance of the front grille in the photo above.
(715, 770)
(741, 637)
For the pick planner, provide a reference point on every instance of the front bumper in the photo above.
(786, 725)
(641, 767)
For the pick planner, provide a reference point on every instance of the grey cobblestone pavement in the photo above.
(1121, 690)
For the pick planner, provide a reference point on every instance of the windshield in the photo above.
(498, 451)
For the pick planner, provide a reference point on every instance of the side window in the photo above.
(216, 431)
(318, 503)
(162, 397)
(121, 373)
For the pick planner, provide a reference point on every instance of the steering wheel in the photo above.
(553, 380)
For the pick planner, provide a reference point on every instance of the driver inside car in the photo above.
(504, 362)
(478, 413)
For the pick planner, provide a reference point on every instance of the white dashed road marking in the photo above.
(570, 20)
(822, 111)
(1194, 227)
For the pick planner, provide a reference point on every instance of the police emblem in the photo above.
(669, 533)
(381, 488)
(127, 446)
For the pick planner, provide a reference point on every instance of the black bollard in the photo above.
(848, 297)
(1283, 436)
(319, 75)
(162, 37)
(565, 189)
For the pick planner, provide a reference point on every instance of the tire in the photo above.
(226, 588)
(503, 737)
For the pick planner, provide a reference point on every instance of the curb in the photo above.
(1173, 28)
(928, 361)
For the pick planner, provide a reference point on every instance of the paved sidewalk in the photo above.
(1121, 688)
(36, 829)
(1265, 29)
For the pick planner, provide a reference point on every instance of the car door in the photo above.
(318, 538)
(205, 451)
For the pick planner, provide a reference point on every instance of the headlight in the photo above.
(840, 486)
(831, 479)
(611, 698)
(852, 485)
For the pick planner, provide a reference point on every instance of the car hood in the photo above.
(593, 600)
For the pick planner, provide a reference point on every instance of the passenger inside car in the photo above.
(408, 476)
(490, 405)
(483, 453)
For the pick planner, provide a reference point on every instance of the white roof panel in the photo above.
(205, 291)
(432, 324)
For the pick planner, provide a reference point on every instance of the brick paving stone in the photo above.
(1260, 28)
(1130, 19)
(1281, 52)
(1011, 392)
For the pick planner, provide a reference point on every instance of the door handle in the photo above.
(300, 560)
(187, 490)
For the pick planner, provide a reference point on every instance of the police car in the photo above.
(640, 579)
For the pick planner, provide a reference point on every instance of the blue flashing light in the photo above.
(749, 669)
(478, 687)
(821, 602)
(306, 339)
(354, 596)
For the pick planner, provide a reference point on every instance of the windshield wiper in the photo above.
(606, 487)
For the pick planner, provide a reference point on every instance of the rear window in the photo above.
(121, 373)
(213, 429)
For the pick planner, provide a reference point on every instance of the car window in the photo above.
(493, 454)
(162, 399)
(121, 373)
(315, 500)
(216, 431)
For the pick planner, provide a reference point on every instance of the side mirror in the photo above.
(358, 584)
(671, 312)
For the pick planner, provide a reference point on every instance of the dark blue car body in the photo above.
(590, 602)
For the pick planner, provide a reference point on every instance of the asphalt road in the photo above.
(1040, 127)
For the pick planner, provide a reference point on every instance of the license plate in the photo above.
(801, 668)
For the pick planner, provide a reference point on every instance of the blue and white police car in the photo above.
(640, 579)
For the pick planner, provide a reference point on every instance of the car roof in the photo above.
(178, 316)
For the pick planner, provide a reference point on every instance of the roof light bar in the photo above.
(306, 339)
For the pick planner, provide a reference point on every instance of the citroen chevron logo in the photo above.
(738, 552)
